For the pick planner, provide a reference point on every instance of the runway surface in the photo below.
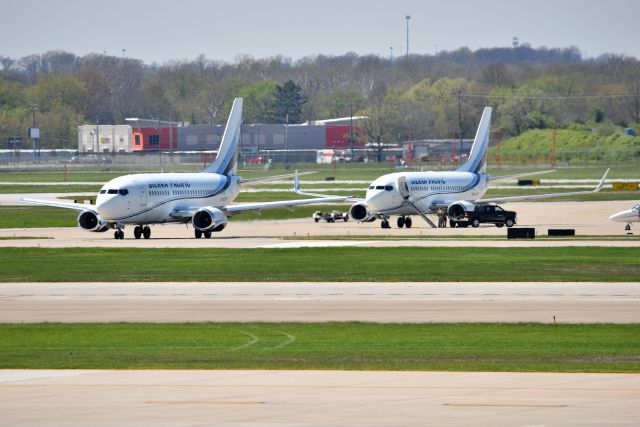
(320, 302)
(316, 398)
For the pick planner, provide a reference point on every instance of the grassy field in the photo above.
(340, 264)
(360, 346)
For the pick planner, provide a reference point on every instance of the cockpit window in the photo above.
(380, 187)
(123, 192)
(112, 191)
(103, 191)
(373, 187)
(388, 187)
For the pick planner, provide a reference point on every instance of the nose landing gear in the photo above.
(118, 234)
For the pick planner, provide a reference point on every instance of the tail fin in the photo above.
(477, 161)
(227, 161)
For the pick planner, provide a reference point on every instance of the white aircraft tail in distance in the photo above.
(420, 193)
(203, 199)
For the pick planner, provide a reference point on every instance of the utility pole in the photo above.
(408, 17)
(390, 53)
(286, 140)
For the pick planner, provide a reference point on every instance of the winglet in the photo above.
(601, 184)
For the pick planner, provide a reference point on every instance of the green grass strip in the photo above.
(321, 264)
(360, 346)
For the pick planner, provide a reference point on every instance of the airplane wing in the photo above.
(242, 207)
(65, 205)
(519, 175)
(542, 196)
(297, 189)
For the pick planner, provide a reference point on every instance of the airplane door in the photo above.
(403, 188)
(143, 195)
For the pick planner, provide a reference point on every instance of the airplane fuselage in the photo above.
(156, 197)
(387, 195)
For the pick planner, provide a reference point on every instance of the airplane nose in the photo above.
(621, 216)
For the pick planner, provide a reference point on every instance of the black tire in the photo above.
(453, 224)
(116, 235)
(400, 221)
(510, 223)
(346, 218)
(499, 224)
(475, 223)
(316, 219)
(198, 234)
(407, 222)
(207, 234)
(137, 232)
(146, 232)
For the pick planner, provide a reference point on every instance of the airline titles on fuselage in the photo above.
(437, 181)
(170, 185)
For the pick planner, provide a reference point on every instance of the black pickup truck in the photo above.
(486, 214)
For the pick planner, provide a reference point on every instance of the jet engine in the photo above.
(209, 219)
(91, 221)
(456, 210)
(360, 212)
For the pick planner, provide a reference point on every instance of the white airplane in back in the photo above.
(204, 198)
(420, 193)
(628, 216)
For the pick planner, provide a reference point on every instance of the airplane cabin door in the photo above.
(143, 195)
(403, 188)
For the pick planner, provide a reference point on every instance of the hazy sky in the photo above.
(160, 30)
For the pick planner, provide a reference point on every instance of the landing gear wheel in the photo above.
(198, 234)
(385, 223)
(207, 234)
(453, 224)
(118, 235)
(407, 222)
(475, 223)
(400, 221)
(137, 232)
(510, 223)
(146, 232)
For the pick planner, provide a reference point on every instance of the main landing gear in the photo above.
(140, 231)
(199, 234)
(403, 221)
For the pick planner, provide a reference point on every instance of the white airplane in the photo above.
(420, 193)
(204, 198)
(628, 216)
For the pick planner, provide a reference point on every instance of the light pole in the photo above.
(408, 17)
(286, 141)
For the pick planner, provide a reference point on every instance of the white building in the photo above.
(104, 139)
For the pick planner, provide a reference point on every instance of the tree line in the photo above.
(414, 97)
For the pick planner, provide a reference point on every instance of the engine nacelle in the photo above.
(456, 211)
(91, 221)
(209, 219)
(360, 212)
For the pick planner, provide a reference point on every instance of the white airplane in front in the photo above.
(420, 193)
(628, 216)
(204, 199)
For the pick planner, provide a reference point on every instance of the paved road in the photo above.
(316, 398)
(320, 302)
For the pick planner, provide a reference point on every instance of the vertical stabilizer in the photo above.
(227, 161)
(477, 161)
